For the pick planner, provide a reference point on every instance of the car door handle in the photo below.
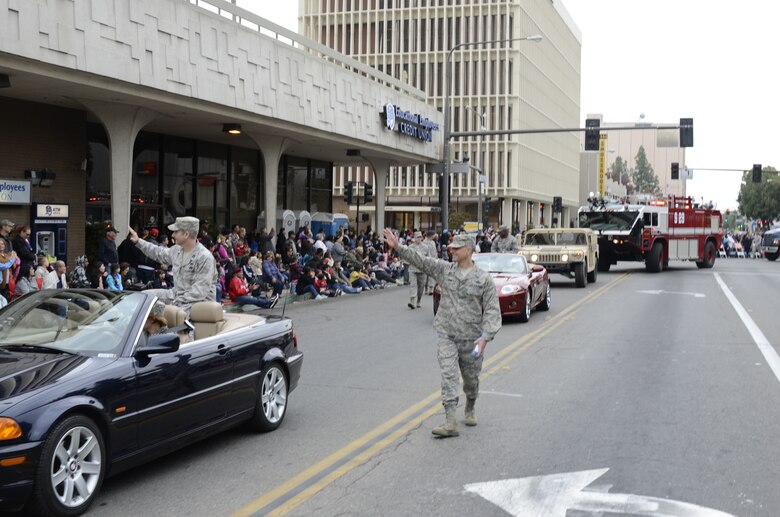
(223, 350)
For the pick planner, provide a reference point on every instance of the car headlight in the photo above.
(564, 258)
(9, 429)
(510, 289)
(775, 242)
(534, 257)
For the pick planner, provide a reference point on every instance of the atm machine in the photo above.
(50, 229)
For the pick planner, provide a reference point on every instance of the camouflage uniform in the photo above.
(417, 279)
(508, 245)
(433, 253)
(194, 280)
(468, 309)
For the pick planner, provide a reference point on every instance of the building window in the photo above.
(245, 187)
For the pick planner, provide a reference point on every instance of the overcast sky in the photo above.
(713, 60)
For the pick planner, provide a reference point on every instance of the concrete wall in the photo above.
(174, 47)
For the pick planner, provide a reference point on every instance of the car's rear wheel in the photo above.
(546, 302)
(70, 470)
(580, 279)
(271, 403)
(771, 257)
(526, 314)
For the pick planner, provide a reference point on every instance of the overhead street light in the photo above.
(445, 182)
(481, 170)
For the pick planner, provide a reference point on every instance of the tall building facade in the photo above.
(497, 86)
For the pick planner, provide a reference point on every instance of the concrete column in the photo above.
(122, 123)
(272, 148)
(381, 169)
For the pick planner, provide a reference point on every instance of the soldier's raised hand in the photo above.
(390, 238)
(131, 233)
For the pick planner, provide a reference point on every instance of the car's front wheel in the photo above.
(271, 403)
(526, 314)
(70, 470)
(546, 302)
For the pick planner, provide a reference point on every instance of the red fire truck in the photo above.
(654, 232)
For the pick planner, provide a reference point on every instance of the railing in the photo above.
(251, 21)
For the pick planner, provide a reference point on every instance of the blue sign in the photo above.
(407, 123)
(15, 192)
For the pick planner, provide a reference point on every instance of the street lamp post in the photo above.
(445, 181)
(481, 170)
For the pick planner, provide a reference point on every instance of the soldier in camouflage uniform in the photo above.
(469, 317)
(505, 243)
(193, 266)
(417, 277)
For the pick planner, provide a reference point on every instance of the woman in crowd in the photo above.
(114, 280)
(99, 277)
(271, 274)
(306, 284)
(26, 283)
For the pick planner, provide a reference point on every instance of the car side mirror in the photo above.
(537, 269)
(160, 344)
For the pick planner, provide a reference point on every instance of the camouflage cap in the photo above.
(503, 228)
(417, 235)
(187, 224)
(462, 240)
(158, 310)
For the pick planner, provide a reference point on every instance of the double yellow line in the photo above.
(305, 484)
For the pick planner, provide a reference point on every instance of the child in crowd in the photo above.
(114, 280)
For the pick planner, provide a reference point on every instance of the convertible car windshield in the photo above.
(72, 321)
(512, 264)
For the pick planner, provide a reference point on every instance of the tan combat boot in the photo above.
(471, 419)
(451, 427)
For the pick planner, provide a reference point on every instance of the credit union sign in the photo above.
(15, 192)
(409, 124)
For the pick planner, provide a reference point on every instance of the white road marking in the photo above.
(661, 291)
(554, 495)
(767, 350)
(500, 393)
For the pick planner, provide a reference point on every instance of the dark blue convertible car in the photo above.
(86, 391)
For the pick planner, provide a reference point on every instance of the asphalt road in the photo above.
(652, 383)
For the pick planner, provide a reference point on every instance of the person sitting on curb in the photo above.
(239, 293)
(306, 284)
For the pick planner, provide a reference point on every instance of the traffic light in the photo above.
(675, 171)
(557, 204)
(686, 132)
(756, 173)
(368, 188)
(487, 204)
(349, 189)
(592, 135)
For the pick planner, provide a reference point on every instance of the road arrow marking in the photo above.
(661, 291)
(553, 495)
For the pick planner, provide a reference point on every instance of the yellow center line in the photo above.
(502, 358)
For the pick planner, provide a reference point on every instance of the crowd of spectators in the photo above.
(255, 267)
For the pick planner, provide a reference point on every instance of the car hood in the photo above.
(502, 279)
(23, 373)
(552, 249)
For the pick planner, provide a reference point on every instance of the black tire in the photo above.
(653, 261)
(771, 257)
(87, 469)
(604, 263)
(546, 302)
(709, 256)
(526, 314)
(592, 275)
(580, 279)
(272, 397)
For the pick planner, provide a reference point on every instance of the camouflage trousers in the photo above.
(416, 284)
(455, 357)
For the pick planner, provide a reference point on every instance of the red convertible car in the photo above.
(520, 288)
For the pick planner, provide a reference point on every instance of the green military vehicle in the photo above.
(572, 252)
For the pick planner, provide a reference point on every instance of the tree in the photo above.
(645, 180)
(760, 200)
(618, 169)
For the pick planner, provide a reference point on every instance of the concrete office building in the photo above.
(118, 112)
(662, 148)
(519, 85)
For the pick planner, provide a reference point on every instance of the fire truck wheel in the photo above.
(579, 275)
(709, 256)
(654, 259)
(592, 275)
(603, 263)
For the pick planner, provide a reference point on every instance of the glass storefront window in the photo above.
(177, 178)
(297, 179)
(244, 188)
(212, 181)
(98, 175)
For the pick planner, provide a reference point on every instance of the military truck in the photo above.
(572, 252)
